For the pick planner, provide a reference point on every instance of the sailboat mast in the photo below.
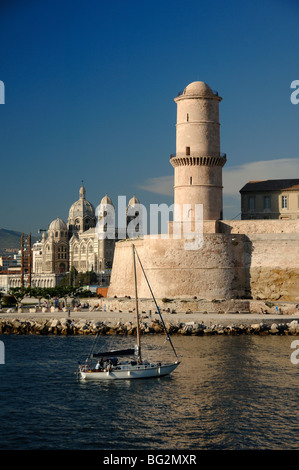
(158, 309)
(137, 311)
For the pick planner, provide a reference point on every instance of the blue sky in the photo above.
(89, 90)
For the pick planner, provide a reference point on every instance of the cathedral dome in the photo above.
(133, 201)
(57, 224)
(106, 200)
(198, 88)
(82, 207)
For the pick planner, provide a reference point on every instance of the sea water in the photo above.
(229, 392)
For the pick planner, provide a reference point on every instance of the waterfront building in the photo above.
(270, 199)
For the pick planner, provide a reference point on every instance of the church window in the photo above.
(56, 234)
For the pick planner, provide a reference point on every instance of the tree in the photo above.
(19, 293)
(37, 293)
(77, 279)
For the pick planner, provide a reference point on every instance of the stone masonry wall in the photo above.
(214, 271)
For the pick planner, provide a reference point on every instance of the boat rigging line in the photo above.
(158, 308)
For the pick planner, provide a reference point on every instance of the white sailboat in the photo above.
(109, 365)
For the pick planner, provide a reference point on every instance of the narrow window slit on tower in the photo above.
(190, 179)
(187, 117)
(187, 150)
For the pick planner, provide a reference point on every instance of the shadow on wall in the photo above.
(242, 249)
(247, 259)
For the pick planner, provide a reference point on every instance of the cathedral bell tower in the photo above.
(198, 162)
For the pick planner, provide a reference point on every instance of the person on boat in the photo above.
(98, 366)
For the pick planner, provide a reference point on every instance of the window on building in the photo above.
(190, 179)
(187, 150)
(251, 203)
(267, 202)
(187, 117)
(284, 202)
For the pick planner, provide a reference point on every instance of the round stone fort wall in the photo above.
(214, 271)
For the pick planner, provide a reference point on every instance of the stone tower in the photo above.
(55, 248)
(198, 162)
(134, 218)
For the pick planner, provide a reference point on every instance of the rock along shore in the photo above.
(118, 317)
(83, 326)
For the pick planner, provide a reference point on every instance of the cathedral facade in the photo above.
(80, 243)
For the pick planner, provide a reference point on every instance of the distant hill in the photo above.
(11, 239)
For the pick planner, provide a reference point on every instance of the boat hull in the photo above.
(129, 373)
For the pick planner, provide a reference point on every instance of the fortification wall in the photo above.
(215, 271)
(272, 263)
(251, 259)
(271, 257)
(258, 226)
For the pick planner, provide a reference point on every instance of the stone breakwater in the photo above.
(67, 326)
